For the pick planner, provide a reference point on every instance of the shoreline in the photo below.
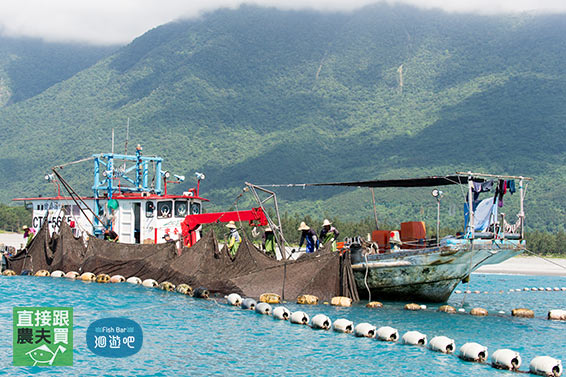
(526, 265)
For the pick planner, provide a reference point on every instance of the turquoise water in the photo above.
(186, 336)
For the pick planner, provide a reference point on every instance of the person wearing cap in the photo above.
(329, 233)
(308, 235)
(168, 238)
(28, 233)
(234, 239)
(269, 242)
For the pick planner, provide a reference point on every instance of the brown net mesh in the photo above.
(62, 252)
(250, 273)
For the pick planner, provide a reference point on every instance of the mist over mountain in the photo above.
(270, 96)
(29, 66)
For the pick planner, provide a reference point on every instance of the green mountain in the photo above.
(29, 66)
(270, 96)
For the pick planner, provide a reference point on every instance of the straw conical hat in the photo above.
(303, 226)
(268, 229)
(326, 223)
(231, 225)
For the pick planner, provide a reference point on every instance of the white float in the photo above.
(234, 299)
(300, 318)
(473, 352)
(442, 344)
(365, 330)
(248, 304)
(387, 334)
(263, 308)
(321, 321)
(343, 325)
(546, 366)
(282, 313)
(414, 338)
(150, 283)
(506, 359)
(133, 280)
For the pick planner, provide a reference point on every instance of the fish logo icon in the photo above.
(43, 355)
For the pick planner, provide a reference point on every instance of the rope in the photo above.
(366, 277)
(469, 273)
(543, 258)
(74, 162)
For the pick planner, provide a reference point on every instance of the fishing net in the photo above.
(250, 272)
(62, 252)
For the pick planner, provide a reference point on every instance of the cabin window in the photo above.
(164, 209)
(149, 208)
(38, 207)
(180, 208)
(195, 208)
(76, 210)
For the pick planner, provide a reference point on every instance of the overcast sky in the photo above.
(119, 21)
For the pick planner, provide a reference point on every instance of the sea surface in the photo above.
(191, 337)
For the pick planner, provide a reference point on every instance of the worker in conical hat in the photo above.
(28, 234)
(328, 234)
(234, 239)
(269, 242)
(308, 235)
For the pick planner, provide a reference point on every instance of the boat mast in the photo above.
(470, 232)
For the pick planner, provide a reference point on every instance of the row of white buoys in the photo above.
(502, 358)
(512, 290)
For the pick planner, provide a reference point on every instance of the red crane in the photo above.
(254, 216)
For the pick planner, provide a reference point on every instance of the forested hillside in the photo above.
(29, 66)
(272, 96)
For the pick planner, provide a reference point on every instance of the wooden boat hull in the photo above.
(428, 274)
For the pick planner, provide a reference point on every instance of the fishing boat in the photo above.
(406, 265)
(130, 198)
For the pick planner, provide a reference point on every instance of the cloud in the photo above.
(118, 22)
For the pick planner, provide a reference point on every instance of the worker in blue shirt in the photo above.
(308, 235)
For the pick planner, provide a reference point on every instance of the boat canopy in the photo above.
(406, 182)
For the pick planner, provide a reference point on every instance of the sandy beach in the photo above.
(12, 239)
(527, 265)
(522, 265)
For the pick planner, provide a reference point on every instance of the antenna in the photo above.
(112, 140)
(127, 137)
